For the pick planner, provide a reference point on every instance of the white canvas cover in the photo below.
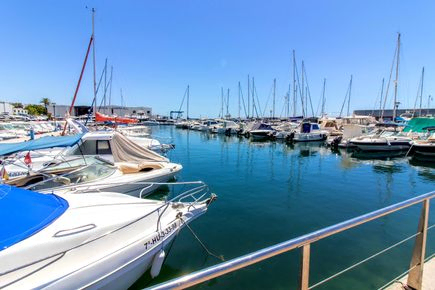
(125, 150)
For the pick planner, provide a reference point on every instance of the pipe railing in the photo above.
(304, 242)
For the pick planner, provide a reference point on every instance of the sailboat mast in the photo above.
(323, 98)
(222, 102)
(350, 93)
(274, 89)
(249, 102)
(294, 84)
(253, 97)
(105, 85)
(110, 89)
(397, 78)
(288, 100)
(239, 101)
(303, 90)
(188, 96)
(421, 90)
(94, 61)
(380, 101)
(228, 101)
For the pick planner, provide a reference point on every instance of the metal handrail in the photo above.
(303, 241)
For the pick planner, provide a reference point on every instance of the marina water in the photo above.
(269, 192)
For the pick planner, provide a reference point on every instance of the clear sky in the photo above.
(157, 48)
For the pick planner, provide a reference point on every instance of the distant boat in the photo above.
(99, 117)
(386, 138)
(309, 132)
(261, 131)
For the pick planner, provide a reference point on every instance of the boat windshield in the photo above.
(83, 171)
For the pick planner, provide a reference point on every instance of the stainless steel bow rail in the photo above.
(415, 275)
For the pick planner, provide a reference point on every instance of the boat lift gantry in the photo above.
(415, 271)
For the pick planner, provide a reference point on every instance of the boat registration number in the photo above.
(160, 235)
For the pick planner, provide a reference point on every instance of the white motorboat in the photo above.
(93, 240)
(309, 132)
(77, 173)
(386, 138)
(261, 131)
(110, 145)
(425, 148)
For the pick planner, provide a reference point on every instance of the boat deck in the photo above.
(428, 278)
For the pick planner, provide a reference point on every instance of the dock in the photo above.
(428, 278)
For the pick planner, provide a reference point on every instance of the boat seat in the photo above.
(131, 167)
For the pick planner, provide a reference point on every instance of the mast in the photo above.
(239, 101)
(294, 84)
(350, 92)
(222, 102)
(380, 101)
(274, 89)
(323, 97)
(303, 90)
(188, 95)
(421, 90)
(105, 85)
(395, 104)
(94, 61)
(249, 102)
(288, 100)
(110, 89)
(253, 97)
(122, 102)
(228, 101)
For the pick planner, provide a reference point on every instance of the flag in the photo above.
(27, 159)
(4, 173)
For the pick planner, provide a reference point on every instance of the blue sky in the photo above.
(157, 48)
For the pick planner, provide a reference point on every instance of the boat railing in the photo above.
(415, 271)
(197, 192)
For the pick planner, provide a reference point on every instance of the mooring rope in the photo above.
(221, 257)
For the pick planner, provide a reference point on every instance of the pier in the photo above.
(428, 278)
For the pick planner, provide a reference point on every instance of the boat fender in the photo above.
(157, 264)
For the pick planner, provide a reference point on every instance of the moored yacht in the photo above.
(386, 138)
(97, 240)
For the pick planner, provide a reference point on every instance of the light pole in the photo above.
(54, 116)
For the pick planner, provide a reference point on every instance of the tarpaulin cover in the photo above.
(24, 213)
(41, 143)
(125, 150)
(419, 124)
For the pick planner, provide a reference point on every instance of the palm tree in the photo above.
(46, 102)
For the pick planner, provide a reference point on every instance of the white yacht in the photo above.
(386, 138)
(94, 240)
(309, 132)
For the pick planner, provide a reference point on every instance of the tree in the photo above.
(35, 109)
(46, 102)
(17, 105)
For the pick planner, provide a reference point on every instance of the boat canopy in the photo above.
(419, 124)
(41, 143)
(125, 150)
(23, 213)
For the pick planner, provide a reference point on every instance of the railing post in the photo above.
(304, 276)
(415, 277)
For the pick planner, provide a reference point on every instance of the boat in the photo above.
(425, 148)
(99, 117)
(309, 132)
(261, 131)
(111, 145)
(97, 240)
(76, 173)
(387, 137)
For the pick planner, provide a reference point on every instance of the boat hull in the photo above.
(381, 146)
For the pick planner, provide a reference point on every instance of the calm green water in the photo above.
(269, 192)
